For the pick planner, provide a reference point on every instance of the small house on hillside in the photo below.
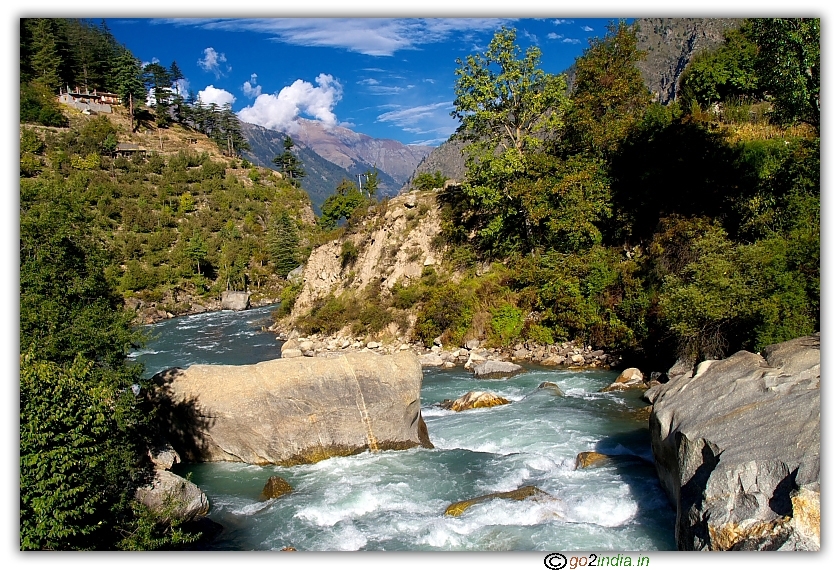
(129, 149)
(86, 101)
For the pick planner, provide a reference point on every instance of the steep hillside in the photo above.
(392, 245)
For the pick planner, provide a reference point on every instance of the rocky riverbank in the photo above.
(472, 353)
(150, 312)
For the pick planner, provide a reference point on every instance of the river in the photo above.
(395, 500)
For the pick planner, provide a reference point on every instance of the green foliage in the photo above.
(609, 94)
(450, 310)
(427, 181)
(340, 205)
(349, 253)
(724, 73)
(290, 165)
(75, 456)
(371, 184)
(788, 66)
(506, 105)
(38, 105)
(283, 244)
(737, 297)
(507, 322)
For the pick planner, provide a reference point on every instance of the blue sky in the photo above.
(387, 78)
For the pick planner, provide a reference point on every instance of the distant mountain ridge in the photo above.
(330, 155)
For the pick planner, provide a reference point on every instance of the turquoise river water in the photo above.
(395, 500)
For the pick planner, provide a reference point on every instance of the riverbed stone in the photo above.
(496, 369)
(476, 399)
(551, 387)
(735, 446)
(457, 509)
(171, 496)
(431, 359)
(236, 300)
(292, 411)
(586, 459)
(275, 487)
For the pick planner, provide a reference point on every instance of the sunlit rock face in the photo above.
(292, 411)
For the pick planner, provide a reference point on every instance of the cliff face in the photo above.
(737, 449)
(395, 244)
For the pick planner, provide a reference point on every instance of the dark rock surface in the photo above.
(737, 449)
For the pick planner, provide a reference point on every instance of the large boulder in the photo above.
(170, 497)
(737, 449)
(235, 300)
(292, 411)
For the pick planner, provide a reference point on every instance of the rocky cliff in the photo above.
(737, 449)
(291, 411)
(391, 246)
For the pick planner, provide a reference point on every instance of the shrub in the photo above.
(349, 253)
(449, 311)
(506, 324)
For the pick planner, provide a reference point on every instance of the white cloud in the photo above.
(560, 22)
(280, 110)
(212, 61)
(250, 87)
(571, 41)
(530, 36)
(220, 97)
(433, 122)
(370, 36)
(587, 29)
(368, 81)
(553, 36)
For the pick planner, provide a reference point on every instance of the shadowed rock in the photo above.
(291, 411)
(172, 497)
(737, 449)
(551, 387)
(457, 509)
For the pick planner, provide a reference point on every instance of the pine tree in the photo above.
(45, 57)
(290, 165)
(283, 243)
(128, 82)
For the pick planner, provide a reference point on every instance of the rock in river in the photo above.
(474, 399)
(737, 449)
(291, 411)
(496, 369)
